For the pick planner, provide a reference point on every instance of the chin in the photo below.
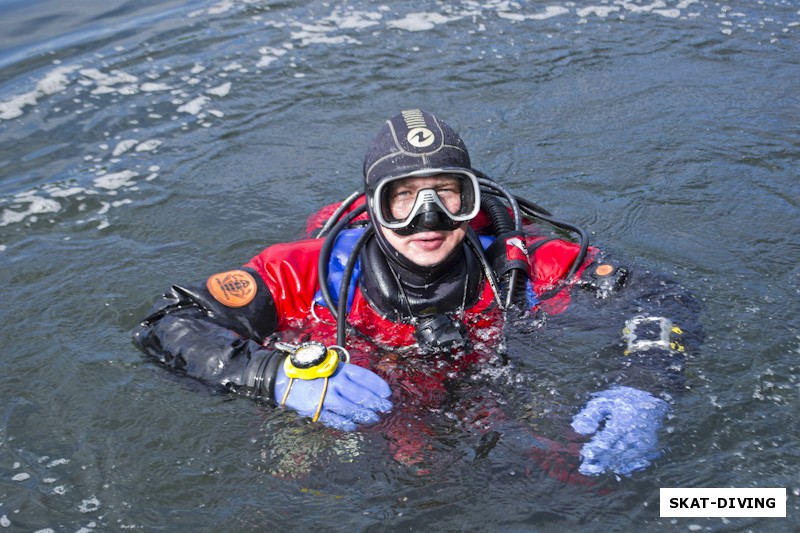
(430, 258)
(426, 262)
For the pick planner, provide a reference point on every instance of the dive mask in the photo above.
(406, 209)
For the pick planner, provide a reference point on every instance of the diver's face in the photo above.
(427, 248)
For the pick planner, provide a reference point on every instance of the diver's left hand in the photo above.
(627, 441)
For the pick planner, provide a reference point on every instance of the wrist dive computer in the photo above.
(311, 360)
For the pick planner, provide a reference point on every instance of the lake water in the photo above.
(146, 143)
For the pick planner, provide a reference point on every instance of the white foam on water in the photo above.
(358, 21)
(421, 21)
(124, 146)
(176, 87)
(56, 192)
(221, 90)
(341, 27)
(668, 13)
(636, 8)
(148, 146)
(307, 38)
(222, 7)
(549, 12)
(320, 33)
(116, 180)
(150, 87)
(233, 66)
(353, 20)
(116, 82)
(270, 55)
(100, 78)
(193, 107)
(93, 79)
(12, 108)
(37, 206)
(599, 11)
(53, 82)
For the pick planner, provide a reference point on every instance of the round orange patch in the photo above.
(604, 270)
(235, 288)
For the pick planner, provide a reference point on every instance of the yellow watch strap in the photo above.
(286, 394)
(321, 400)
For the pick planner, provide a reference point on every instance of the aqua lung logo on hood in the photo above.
(418, 136)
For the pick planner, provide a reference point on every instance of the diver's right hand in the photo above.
(355, 395)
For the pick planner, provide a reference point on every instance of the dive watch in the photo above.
(311, 360)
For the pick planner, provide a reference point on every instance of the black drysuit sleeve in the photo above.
(652, 320)
(191, 331)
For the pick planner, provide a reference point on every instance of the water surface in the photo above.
(146, 144)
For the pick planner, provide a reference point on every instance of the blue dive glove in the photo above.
(354, 395)
(627, 441)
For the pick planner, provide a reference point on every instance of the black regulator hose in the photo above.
(499, 190)
(498, 213)
(344, 206)
(341, 315)
(534, 210)
(502, 223)
(325, 255)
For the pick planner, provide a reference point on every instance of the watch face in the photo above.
(309, 354)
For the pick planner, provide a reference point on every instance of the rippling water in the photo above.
(148, 143)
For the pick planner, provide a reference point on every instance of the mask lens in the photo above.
(454, 194)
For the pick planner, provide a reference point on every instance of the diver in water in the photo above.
(420, 271)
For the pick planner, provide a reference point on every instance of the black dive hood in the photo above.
(409, 144)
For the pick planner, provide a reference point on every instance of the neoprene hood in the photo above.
(413, 140)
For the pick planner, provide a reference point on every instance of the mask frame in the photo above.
(427, 201)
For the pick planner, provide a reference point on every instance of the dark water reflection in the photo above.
(142, 145)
